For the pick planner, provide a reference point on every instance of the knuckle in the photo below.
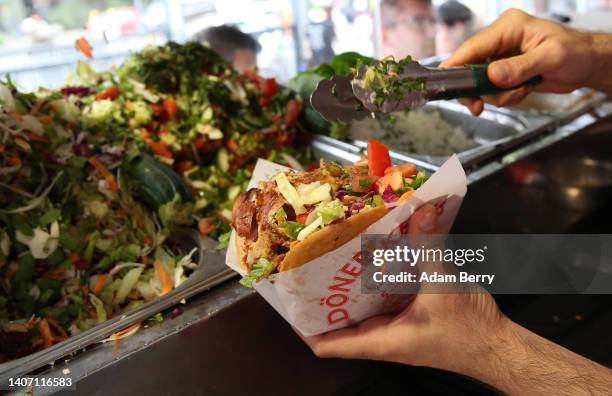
(515, 14)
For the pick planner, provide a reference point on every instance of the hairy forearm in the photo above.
(601, 45)
(517, 361)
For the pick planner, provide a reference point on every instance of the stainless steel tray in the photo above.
(211, 270)
(494, 130)
(348, 153)
(562, 107)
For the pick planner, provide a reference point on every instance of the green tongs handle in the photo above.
(466, 82)
(484, 86)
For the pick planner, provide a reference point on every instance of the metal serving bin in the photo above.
(492, 131)
(562, 107)
(346, 153)
(211, 270)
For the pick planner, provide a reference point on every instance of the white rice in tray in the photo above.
(417, 131)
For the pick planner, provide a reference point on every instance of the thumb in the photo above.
(512, 71)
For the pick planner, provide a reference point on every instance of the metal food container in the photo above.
(210, 271)
(562, 107)
(346, 153)
(492, 131)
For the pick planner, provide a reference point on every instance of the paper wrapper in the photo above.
(325, 294)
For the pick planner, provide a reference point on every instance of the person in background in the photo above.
(238, 47)
(321, 35)
(453, 26)
(408, 28)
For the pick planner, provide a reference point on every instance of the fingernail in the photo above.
(428, 222)
(501, 71)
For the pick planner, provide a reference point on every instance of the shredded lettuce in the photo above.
(142, 112)
(127, 284)
(289, 193)
(261, 268)
(329, 211)
(42, 243)
(102, 110)
(319, 194)
(292, 229)
(99, 306)
(309, 229)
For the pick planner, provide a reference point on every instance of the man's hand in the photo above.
(527, 46)
(436, 330)
(466, 333)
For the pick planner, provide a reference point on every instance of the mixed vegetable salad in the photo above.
(190, 109)
(76, 248)
(88, 196)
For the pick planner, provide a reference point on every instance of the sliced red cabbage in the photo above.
(388, 196)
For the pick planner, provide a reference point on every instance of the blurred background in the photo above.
(37, 36)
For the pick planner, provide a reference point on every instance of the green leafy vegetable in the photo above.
(259, 270)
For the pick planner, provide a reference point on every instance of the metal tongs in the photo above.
(344, 98)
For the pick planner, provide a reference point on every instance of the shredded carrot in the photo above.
(37, 341)
(83, 45)
(405, 196)
(147, 239)
(108, 176)
(109, 93)
(122, 333)
(37, 138)
(2, 148)
(163, 277)
(93, 314)
(74, 257)
(46, 120)
(301, 218)
(121, 212)
(58, 328)
(100, 281)
(55, 273)
(45, 332)
(159, 148)
(145, 260)
(85, 290)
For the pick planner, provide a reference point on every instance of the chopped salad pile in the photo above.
(188, 107)
(88, 199)
(76, 248)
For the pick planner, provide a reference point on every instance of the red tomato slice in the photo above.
(378, 158)
(293, 112)
(269, 87)
(408, 169)
(301, 218)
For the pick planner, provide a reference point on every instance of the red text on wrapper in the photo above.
(339, 289)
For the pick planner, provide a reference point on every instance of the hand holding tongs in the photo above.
(344, 98)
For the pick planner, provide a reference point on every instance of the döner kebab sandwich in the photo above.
(298, 216)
